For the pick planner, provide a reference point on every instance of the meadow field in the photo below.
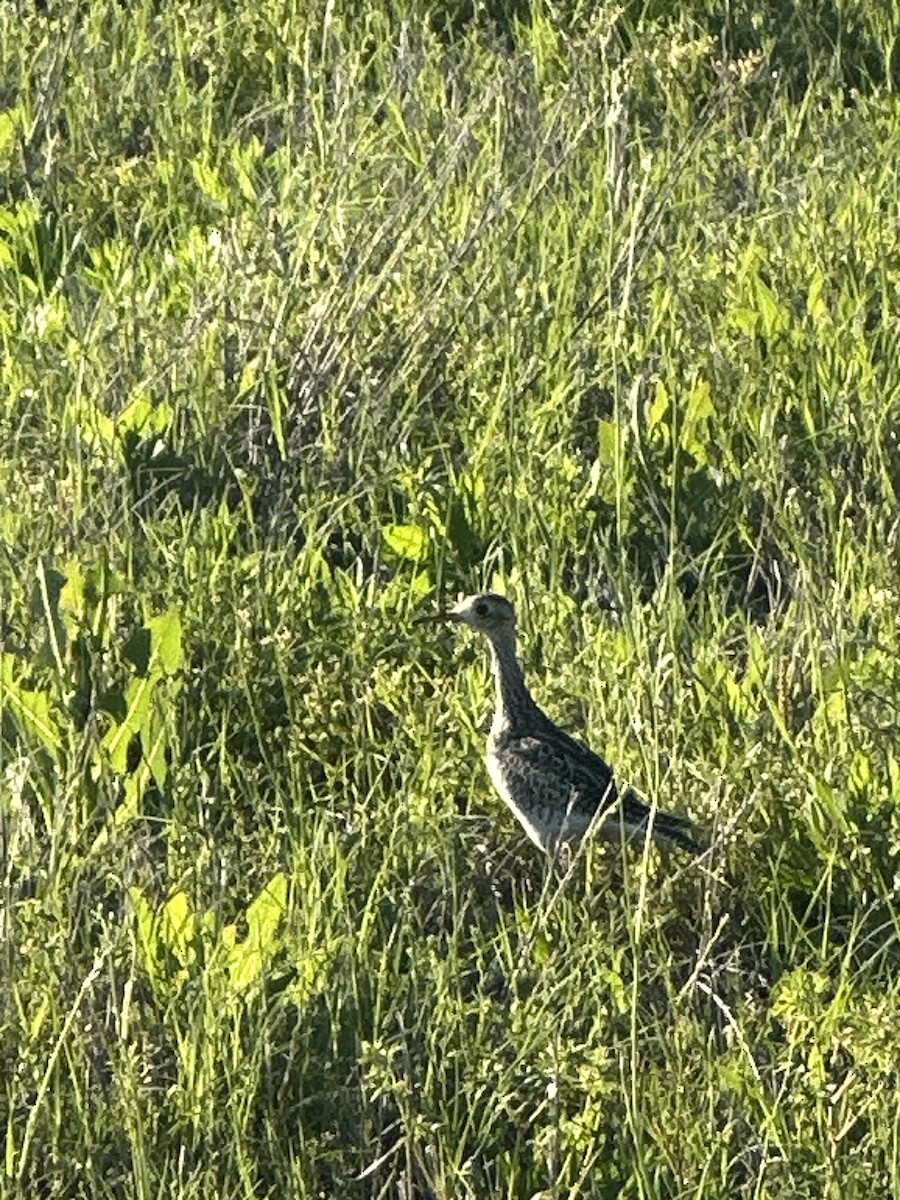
(314, 316)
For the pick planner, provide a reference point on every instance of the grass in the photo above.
(312, 315)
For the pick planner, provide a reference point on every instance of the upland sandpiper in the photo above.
(555, 785)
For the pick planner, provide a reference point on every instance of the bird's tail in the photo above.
(666, 828)
(676, 831)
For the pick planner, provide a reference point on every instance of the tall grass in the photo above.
(312, 315)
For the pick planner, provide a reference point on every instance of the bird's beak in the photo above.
(449, 614)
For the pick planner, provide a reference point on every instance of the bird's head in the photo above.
(487, 612)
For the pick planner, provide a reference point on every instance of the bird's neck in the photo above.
(514, 701)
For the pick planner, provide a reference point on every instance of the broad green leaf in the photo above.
(208, 180)
(10, 122)
(700, 406)
(145, 918)
(178, 927)
(72, 597)
(775, 317)
(156, 647)
(406, 541)
(96, 429)
(30, 709)
(135, 786)
(246, 959)
(747, 320)
(659, 406)
(155, 743)
(265, 913)
(542, 949)
(693, 431)
(420, 585)
(138, 699)
(142, 416)
(165, 635)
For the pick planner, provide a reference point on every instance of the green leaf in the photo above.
(138, 699)
(861, 772)
(700, 406)
(693, 432)
(265, 913)
(419, 586)
(72, 596)
(243, 159)
(247, 959)
(95, 428)
(542, 949)
(406, 541)
(775, 317)
(815, 305)
(11, 121)
(178, 928)
(165, 634)
(659, 406)
(208, 180)
(142, 416)
(155, 743)
(830, 802)
(893, 766)
(747, 320)
(145, 918)
(29, 709)
(156, 647)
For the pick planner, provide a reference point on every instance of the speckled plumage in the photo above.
(554, 784)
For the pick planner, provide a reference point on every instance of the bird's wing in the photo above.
(592, 782)
(586, 780)
(577, 752)
(634, 810)
(584, 785)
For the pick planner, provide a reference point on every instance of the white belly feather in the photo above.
(538, 836)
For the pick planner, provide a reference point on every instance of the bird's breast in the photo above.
(514, 798)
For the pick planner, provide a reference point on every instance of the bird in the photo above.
(556, 786)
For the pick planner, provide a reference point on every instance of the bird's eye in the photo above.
(482, 609)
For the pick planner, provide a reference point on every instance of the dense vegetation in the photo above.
(314, 314)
